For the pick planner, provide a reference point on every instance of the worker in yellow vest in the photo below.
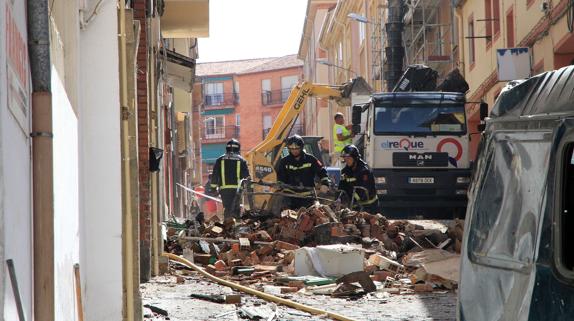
(342, 135)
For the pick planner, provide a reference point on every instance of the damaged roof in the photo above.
(247, 66)
(548, 93)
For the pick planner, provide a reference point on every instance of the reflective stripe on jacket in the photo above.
(228, 171)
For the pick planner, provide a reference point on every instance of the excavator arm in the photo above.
(263, 157)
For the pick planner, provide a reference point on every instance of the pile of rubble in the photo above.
(322, 251)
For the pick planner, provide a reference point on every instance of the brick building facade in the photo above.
(241, 99)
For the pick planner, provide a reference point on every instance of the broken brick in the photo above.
(377, 232)
(280, 245)
(265, 250)
(381, 276)
(233, 299)
(423, 287)
(296, 284)
(338, 230)
(220, 265)
(210, 269)
(305, 223)
(289, 289)
(254, 258)
(201, 258)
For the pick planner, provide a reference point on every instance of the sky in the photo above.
(244, 29)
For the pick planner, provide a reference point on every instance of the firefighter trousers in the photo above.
(230, 200)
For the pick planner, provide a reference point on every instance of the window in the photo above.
(507, 210)
(237, 120)
(496, 16)
(566, 218)
(447, 120)
(214, 93)
(471, 56)
(267, 123)
(488, 17)
(266, 91)
(510, 28)
(287, 83)
(215, 127)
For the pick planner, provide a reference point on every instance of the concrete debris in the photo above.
(305, 251)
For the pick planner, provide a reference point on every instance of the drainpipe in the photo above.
(395, 51)
(42, 159)
(126, 199)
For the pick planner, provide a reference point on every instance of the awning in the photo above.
(185, 19)
(210, 152)
(180, 70)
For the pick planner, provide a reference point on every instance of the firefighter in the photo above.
(299, 169)
(228, 171)
(357, 173)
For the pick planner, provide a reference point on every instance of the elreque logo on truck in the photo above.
(404, 143)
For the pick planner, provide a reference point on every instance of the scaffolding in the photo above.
(429, 34)
(377, 49)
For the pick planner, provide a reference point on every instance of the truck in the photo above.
(417, 144)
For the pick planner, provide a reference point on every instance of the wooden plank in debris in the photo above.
(221, 240)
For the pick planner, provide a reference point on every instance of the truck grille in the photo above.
(403, 159)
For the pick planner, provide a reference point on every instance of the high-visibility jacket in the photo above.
(228, 171)
(340, 144)
(301, 172)
(362, 176)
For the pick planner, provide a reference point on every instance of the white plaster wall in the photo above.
(66, 210)
(2, 107)
(15, 186)
(100, 168)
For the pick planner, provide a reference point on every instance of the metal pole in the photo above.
(15, 289)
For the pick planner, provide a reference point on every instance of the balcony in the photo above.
(219, 134)
(185, 19)
(275, 97)
(223, 99)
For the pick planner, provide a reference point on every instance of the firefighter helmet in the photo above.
(295, 140)
(233, 146)
(350, 151)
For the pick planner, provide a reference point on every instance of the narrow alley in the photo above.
(286, 160)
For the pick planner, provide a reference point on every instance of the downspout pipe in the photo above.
(395, 51)
(42, 159)
(128, 235)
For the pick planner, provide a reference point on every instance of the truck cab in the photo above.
(417, 145)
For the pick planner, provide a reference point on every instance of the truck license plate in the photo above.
(421, 180)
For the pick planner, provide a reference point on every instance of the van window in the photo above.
(508, 200)
(567, 209)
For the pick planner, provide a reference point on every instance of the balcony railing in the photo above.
(275, 97)
(223, 99)
(220, 133)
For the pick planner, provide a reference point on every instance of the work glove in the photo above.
(324, 189)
